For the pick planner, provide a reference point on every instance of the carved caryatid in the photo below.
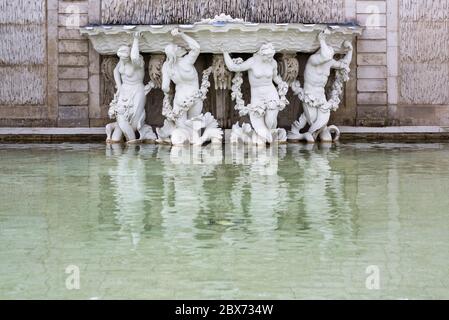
(266, 99)
(128, 105)
(316, 105)
(185, 122)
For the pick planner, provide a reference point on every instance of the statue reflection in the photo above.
(193, 196)
(258, 193)
(137, 202)
(323, 210)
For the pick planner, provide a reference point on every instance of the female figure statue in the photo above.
(128, 105)
(266, 100)
(185, 120)
(316, 106)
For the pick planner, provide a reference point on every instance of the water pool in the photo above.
(291, 222)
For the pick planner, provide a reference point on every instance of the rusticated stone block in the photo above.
(73, 116)
(73, 112)
(73, 46)
(74, 85)
(372, 116)
(73, 99)
(73, 60)
(372, 98)
(73, 73)
(372, 46)
(372, 85)
(69, 34)
(372, 59)
(372, 72)
(73, 21)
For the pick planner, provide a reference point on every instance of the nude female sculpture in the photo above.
(185, 120)
(128, 105)
(316, 106)
(266, 100)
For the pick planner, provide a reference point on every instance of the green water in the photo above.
(292, 222)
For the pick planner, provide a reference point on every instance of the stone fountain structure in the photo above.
(269, 80)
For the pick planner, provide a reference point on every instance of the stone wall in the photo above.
(25, 69)
(53, 77)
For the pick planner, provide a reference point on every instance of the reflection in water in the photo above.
(254, 196)
(294, 221)
(129, 182)
(325, 207)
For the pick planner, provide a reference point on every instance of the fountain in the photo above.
(185, 121)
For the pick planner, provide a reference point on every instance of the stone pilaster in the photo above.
(73, 72)
(372, 73)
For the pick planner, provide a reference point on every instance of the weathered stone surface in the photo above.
(73, 46)
(73, 99)
(371, 59)
(372, 85)
(373, 98)
(372, 116)
(424, 52)
(73, 85)
(76, 60)
(73, 112)
(372, 46)
(372, 72)
(73, 73)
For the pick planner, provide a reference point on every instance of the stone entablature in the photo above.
(242, 37)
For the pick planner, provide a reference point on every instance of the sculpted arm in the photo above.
(136, 59)
(193, 45)
(234, 67)
(276, 77)
(165, 78)
(324, 52)
(117, 77)
(346, 61)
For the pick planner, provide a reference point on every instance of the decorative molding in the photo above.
(222, 76)
(231, 37)
(288, 67)
(107, 71)
(155, 69)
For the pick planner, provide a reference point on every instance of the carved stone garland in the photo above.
(341, 76)
(260, 108)
(201, 94)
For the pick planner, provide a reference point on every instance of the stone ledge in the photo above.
(381, 134)
(58, 135)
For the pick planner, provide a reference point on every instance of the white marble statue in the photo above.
(185, 122)
(128, 105)
(266, 99)
(316, 105)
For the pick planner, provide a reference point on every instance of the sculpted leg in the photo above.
(117, 135)
(126, 128)
(258, 123)
(320, 122)
(195, 110)
(325, 135)
(271, 119)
